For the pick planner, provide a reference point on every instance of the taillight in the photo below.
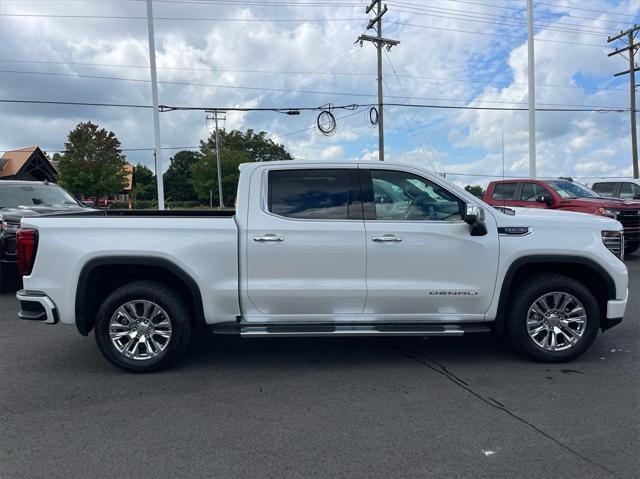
(26, 246)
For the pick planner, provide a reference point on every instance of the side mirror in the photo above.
(474, 217)
(547, 200)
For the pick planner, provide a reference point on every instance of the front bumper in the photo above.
(616, 307)
(615, 312)
(36, 306)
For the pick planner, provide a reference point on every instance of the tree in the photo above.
(145, 188)
(92, 164)
(178, 180)
(475, 190)
(236, 147)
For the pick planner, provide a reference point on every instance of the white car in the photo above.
(311, 252)
(626, 188)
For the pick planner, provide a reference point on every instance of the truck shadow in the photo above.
(300, 353)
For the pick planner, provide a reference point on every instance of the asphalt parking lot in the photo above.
(445, 407)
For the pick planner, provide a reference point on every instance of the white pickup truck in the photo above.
(326, 249)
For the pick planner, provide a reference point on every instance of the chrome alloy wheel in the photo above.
(140, 330)
(556, 321)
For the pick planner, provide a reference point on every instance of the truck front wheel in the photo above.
(552, 318)
(143, 326)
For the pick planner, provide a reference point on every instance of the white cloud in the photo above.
(245, 54)
(333, 152)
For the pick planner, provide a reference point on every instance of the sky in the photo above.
(302, 53)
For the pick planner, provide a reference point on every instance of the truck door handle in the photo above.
(270, 237)
(387, 239)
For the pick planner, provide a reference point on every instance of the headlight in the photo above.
(608, 212)
(614, 241)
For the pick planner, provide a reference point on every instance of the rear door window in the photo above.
(604, 189)
(318, 194)
(505, 191)
(629, 191)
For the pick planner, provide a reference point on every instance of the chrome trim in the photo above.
(556, 321)
(39, 297)
(364, 330)
(504, 231)
(264, 198)
(388, 238)
(270, 237)
(614, 242)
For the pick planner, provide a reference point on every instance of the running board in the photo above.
(386, 329)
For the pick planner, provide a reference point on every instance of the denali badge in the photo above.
(453, 293)
(514, 230)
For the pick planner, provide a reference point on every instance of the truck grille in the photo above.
(630, 220)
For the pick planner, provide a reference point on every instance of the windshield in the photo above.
(567, 189)
(12, 196)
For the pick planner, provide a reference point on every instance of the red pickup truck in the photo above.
(564, 194)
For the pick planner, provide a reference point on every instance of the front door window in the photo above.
(401, 196)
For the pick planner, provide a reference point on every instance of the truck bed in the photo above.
(149, 213)
(201, 244)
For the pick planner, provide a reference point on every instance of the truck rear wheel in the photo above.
(143, 326)
(552, 318)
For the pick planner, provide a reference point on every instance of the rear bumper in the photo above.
(36, 306)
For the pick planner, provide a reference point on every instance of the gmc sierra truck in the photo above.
(326, 249)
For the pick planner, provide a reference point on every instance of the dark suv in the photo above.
(17, 200)
(565, 194)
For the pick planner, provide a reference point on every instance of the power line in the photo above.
(474, 32)
(631, 49)
(584, 9)
(314, 126)
(352, 106)
(295, 72)
(278, 90)
(184, 83)
(416, 141)
(435, 161)
(497, 20)
(521, 10)
(287, 20)
(200, 19)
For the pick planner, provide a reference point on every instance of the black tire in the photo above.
(523, 298)
(630, 248)
(8, 279)
(174, 309)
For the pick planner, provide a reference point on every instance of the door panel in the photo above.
(305, 256)
(432, 268)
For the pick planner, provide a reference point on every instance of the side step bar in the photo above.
(380, 329)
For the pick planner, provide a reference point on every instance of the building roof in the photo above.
(12, 161)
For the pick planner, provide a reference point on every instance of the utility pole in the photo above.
(215, 117)
(379, 43)
(631, 47)
(156, 109)
(532, 91)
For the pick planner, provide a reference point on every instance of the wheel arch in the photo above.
(100, 276)
(584, 270)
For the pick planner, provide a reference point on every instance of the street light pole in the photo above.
(532, 92)
(219, 166)
(156, 109)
